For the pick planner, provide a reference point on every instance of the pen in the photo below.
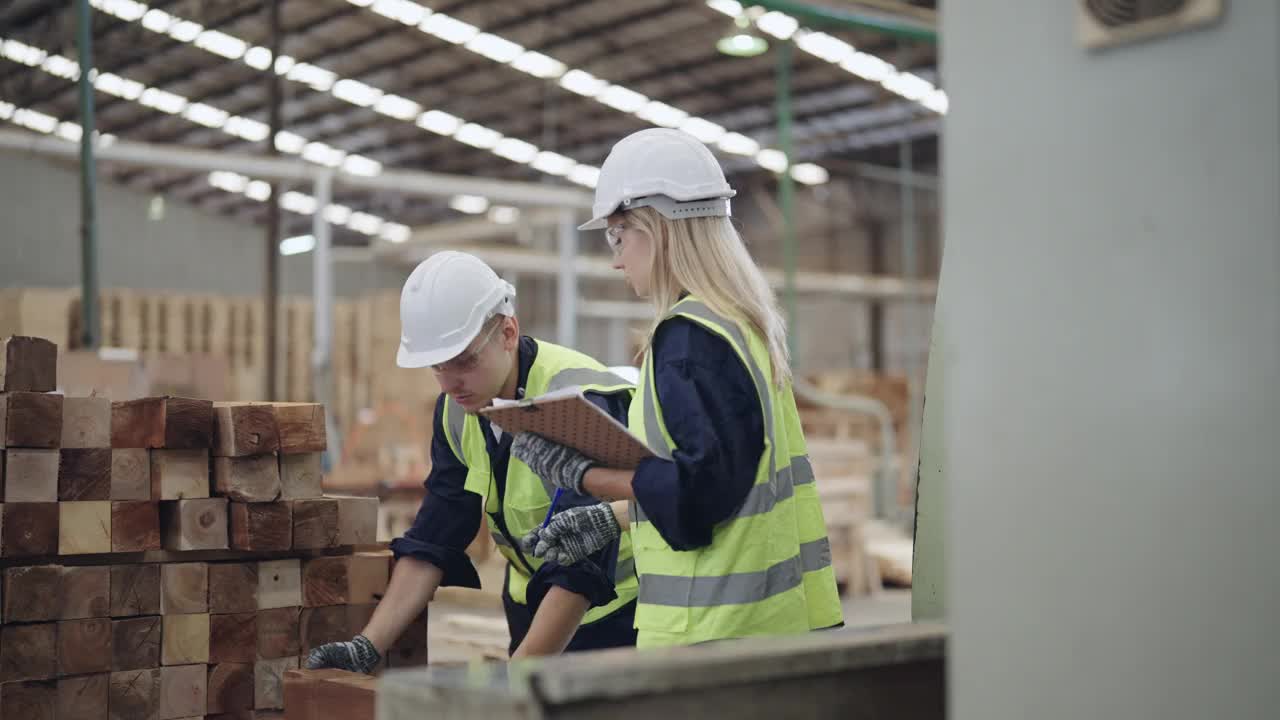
(554, 499)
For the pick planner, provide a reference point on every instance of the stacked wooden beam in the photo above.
(168, 558)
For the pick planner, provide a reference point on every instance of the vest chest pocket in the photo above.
(524, 513)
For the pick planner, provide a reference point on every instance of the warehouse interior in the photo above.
(1028, 256)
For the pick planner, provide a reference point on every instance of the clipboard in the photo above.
(567, 417)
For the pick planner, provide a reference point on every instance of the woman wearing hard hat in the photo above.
(457, 318)
(727, 530)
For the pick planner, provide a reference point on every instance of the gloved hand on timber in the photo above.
(574, 534)
(356, 655)
(559, 465)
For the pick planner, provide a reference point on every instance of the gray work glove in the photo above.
(559, 465)
(573, 534)
(356, 655)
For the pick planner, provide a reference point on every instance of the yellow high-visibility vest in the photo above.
(527, 497)
(768, 568)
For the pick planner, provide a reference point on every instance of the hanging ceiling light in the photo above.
(743, 39)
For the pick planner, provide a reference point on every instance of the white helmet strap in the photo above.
(675, 210)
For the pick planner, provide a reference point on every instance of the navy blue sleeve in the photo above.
(593, 577)
(712, 412)
(449, 516)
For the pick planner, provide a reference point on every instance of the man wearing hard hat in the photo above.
(457, 318)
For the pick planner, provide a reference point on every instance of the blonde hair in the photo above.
(706, 257)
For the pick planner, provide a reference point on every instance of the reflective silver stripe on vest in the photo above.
(763, 389)
(649, 401)
(584, 376)
(625, 568)
(762, 498)
(455, 420)
(738, 588)
(815, 555)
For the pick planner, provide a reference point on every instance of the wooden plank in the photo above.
(233, 638)
(135, 526)
(30, 700)
(357, 520)
(325, 581)
(84, 474)
(316, 523)
(28, 591)
(278, 633)
(134, 695)
(135, 643)
(300, 476)
(85, 592)
(135, 590)
(176, 423)
(83, 697)
(28, 652)
(268, 681)
(130, 474)
(30, 476)
(179, 474)
(367, 576)
(320, 625)
(196, 524)
(410, 649)
(29, 529)
(84, 646)
(242, 428)
(32, 420)
(261, 526)
(86, 422)
(230, 687)
(233, 587)
(28, 363)
(279, 584)
(184, 588)
(138, 423)
(247, 479)
(301, 427)
(184, 639)
(183, 691)
(323, 694)
(84, 527)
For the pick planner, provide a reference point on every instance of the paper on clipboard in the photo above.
(567, 417)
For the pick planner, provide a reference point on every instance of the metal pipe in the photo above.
(322, 302)
(89, 316)
(897, 26)
(567, 281)
(619, 310)
(786, 195)
(510, 257)
(884, 488)
(271, 284)
(407, 182)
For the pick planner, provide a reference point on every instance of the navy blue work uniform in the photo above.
(450, 517)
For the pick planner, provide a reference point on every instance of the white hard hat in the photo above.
(668, 170)
(443, 305)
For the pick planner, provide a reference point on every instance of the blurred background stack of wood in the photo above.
(211, 346)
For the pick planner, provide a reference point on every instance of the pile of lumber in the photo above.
(168, 557)
(173, 333)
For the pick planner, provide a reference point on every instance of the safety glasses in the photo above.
(468, 360)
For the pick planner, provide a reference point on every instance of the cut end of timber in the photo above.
(28, 363)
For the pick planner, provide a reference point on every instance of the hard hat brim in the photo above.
(599, 223)
(407, 358)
